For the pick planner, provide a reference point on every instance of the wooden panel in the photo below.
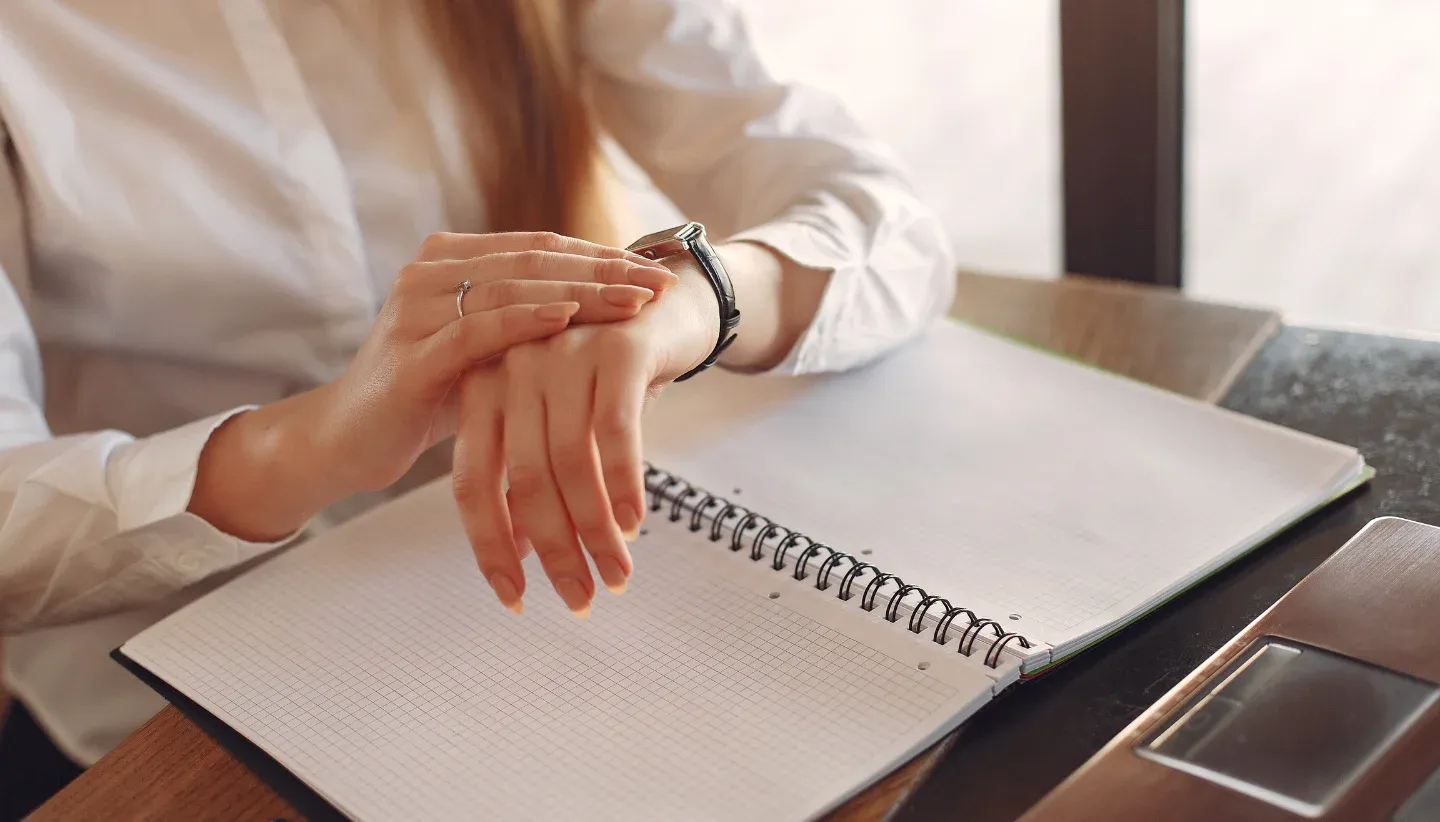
(171, 770)
(1152, 334)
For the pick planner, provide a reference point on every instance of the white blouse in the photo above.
(204, 205)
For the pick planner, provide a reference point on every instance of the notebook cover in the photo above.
(290, 787)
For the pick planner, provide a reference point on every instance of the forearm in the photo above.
(777, 298)
(260, 476)
(781, 166)
(94, 523)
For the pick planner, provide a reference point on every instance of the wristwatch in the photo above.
(690, 238)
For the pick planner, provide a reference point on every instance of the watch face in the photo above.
(667, 242)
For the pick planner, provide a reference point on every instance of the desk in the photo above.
(170, 770)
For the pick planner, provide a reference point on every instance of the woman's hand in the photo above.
(267, 471)
(561, 418)
(390, 405)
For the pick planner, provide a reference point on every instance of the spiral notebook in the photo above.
(837, 571)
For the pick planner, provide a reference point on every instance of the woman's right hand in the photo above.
(265, 472)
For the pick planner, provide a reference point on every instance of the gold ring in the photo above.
(460, 291)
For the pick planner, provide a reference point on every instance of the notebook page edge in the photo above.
(1350, 475)
(1351, 479)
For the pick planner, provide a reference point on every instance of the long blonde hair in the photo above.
(527, 113)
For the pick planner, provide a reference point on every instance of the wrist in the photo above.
(778, 298)
(262, 474)
(696, 300)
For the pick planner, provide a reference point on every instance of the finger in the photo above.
(423, 279)
(522, 542)
(478, 474)
(598, 303)
(575, 268)
(447, 353)
(419, 314)
(535, 499)
(448, 246)
(573, 459)
(619, 400)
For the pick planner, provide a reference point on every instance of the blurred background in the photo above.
(1311, 139)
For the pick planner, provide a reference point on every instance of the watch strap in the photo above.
(719, 278)
(691, 237)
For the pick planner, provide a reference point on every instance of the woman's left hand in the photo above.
(561, 418)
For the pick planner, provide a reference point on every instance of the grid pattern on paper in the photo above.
(1006, 481)
(382, 673)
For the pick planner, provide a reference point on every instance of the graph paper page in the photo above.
(375, 665)
(1053, 497)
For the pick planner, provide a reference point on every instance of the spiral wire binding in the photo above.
(666, 488)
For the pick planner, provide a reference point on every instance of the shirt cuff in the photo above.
(151, 481)
(887, 283)
(807, 247)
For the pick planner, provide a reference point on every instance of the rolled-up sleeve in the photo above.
(680, 88)
(92, 523)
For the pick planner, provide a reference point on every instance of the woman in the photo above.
(211, 214)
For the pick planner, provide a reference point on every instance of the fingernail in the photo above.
(627, 517)
(626, 296)
(612, 573)
(557, 311)
(649, 262)
(657, 279)
(575, 597)
(507, 592)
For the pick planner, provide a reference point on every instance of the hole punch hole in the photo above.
(737, 490)
(924, 666)
(774, 594)
(1012, 616)
(644, 532)
(867, 552)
